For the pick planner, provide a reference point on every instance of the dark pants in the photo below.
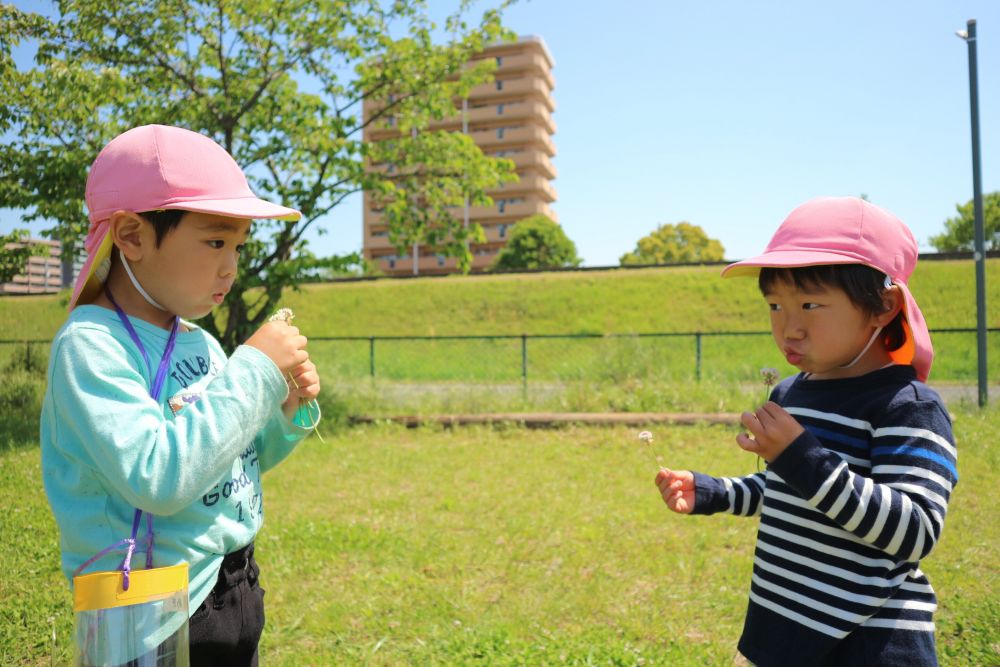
(227, 626)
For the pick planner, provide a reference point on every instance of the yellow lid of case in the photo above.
(103, 590)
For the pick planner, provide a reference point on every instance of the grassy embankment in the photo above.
(567, 374)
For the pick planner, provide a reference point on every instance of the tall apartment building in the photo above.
(43, 274)
(509, 117)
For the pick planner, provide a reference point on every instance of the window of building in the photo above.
(500, 132)
(503, 231)
(440, 259)
(501, 205)
(499, 85)
(499, 109)
(499, 61)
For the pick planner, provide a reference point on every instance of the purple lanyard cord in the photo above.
(161, 374)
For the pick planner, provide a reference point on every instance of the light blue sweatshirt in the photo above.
(194, 460)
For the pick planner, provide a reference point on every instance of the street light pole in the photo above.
(979, 243)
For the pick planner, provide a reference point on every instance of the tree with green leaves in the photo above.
(959, 232)
(15, 258)
(280, 85)
(672, 244)
(536, 242)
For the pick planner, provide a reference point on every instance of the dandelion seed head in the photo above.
(646, 436)
(282, 315)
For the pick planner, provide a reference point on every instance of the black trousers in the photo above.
(227, 626)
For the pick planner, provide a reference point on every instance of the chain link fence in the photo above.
(687, 371)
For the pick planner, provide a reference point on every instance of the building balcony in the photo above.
(528, 112)
(526, 160)
(533, 161)
(431, 264)
(534, 62)
(496, 138)
(522, 88)
(530, 183)
(504, 209)
(515, 113)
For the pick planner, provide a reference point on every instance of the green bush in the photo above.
(20, 391)
(20, 404)
(27, 357)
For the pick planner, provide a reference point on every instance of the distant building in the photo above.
(509, 117)
(42, 274)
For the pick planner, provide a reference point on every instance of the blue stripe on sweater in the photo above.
(856, 443)
(945, 462)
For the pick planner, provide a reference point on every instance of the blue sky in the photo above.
(728, 114)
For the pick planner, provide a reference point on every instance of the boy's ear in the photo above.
(131, 234)
(892, 300)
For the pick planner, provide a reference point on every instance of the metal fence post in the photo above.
(371, 356)
(697, 356)
(524, 364)
(27, 355)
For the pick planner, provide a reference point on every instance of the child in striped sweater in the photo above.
(860, 455)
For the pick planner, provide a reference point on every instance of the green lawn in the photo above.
(504, 546)
(499, 546)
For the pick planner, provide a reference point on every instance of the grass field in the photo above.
(504, 546)
(507, 546)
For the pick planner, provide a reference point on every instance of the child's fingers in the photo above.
(665, 478)
(751, 422)
(747, 443)
(305, 374)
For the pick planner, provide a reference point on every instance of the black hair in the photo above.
(862, 284)
(163, 221)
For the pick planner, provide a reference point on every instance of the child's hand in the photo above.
(282, 343)
(677, 489)
(303, 386)
(773, 429)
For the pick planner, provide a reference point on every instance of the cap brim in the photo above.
(245, 207)
(788, 259)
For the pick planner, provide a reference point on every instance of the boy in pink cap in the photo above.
(860, 455)
(143, 412)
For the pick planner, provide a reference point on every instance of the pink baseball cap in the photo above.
(849, 230)
(159, 167)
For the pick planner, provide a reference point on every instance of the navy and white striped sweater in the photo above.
(847, 512)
